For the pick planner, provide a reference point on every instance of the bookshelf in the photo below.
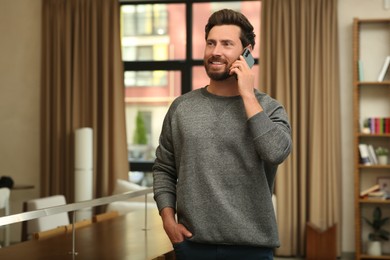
(371, 46)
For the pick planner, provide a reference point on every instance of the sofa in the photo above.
(132, 204)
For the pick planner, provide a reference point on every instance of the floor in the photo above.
(345, 256)
(287, 258)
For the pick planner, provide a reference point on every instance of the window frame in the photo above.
(185, 66)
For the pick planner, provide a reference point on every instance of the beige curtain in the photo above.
(82, 86)
(299, 67)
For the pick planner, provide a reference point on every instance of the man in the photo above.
(218, 154)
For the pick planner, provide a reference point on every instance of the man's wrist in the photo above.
(168, 215)
(252, 105)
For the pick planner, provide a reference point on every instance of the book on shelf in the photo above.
(377, 195)
(369, 190)
(372, 154)
(385, 71)
(364, 154)
(368, 155)
(376, 125)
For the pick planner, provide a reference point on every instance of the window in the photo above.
(144, 19)
(162, 51)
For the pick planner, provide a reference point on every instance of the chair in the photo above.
(4, 206)
(47, 222)
(274, 204)
(105, 216)
(132, 204)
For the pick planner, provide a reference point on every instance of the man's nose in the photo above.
(217, 50)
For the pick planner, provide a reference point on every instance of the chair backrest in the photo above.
(4, 206)
(4, 199)
(48, 222)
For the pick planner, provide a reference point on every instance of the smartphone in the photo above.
(248, 57)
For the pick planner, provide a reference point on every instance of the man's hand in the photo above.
(245, 82)
(176, 232)
(245, 76)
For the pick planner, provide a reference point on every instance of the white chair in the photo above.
(274, 203)
(129, 205)
(47, 222)
(4, 206)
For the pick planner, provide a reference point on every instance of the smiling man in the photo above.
(218, 155)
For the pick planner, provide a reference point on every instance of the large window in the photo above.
(162, 51)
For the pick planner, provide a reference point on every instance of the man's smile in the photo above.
(216, 63)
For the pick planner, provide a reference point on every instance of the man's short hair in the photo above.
(231, 17)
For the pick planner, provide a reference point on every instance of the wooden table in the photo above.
(123, 237)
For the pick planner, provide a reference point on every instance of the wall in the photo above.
(348, 9)
(20, 30)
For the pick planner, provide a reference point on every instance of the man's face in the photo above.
(223, 47)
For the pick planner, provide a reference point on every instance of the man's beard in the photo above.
(217, 76)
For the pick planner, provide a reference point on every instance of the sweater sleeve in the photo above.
(164, 169)
(271, 132)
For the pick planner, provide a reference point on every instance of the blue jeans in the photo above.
(187, 250)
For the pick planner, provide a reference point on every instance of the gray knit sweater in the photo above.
(217, 168)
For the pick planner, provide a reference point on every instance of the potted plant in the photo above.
(378, 233)
(366, 126)
(382, 154)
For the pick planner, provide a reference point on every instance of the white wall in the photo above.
(20, 32)
(348, 9)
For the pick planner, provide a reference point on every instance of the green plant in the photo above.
(381, 151)
(377, 223)
(140, 136)
(366, 123)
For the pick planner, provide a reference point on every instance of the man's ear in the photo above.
(249, 47)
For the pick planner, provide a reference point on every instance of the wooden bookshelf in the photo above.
(374, 257)
(374, 201)
(366, 175)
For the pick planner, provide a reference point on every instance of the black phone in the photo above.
(248, 57)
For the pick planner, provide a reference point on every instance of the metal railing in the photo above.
(29, 215)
